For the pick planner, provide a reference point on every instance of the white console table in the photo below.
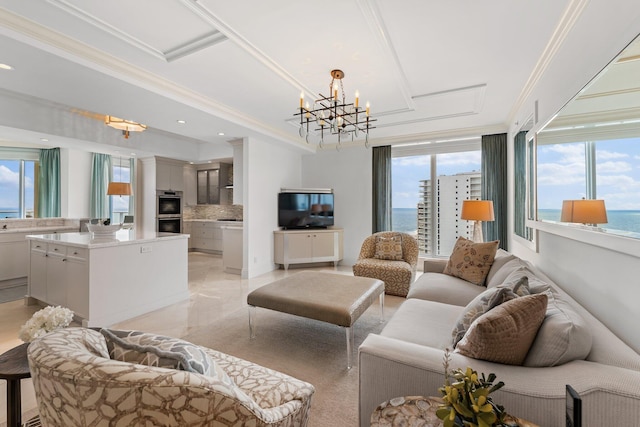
(308, 246)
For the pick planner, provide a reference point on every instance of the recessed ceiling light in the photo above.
(6, 67)
(133, 154)
(182, 121)
(44, 139)
(220, 133)
(209, 161)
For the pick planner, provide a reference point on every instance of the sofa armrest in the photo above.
(391, 368)
(435, 265)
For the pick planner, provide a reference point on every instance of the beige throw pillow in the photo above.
(471, 261)
(389, 248)
(505, 334)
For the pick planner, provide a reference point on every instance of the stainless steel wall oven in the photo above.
(169, 211)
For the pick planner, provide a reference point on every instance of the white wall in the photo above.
(75, 183)
(604, 281)
(348, 172)
(267, 168)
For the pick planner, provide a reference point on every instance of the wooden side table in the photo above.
(14, 366)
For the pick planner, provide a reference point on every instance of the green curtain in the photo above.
(100, 177)
(49, 183)
(494, 186)
(381, 188)
(520, 184)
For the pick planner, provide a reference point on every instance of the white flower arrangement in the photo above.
(46, 320)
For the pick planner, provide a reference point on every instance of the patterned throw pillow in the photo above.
(389, 248)
(471, 261)
(505, 334)
(484, 302)
(164, 352)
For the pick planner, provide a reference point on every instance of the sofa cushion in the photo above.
(484, 302)
(164, 352)
(471, 261)
(421, 322)
(444, 288)
(564, 336)
(389, 248)
(505, 334)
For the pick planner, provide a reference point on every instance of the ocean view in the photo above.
(405, 220)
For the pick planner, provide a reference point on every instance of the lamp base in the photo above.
(477, 232)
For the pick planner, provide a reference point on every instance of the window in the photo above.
(428, 190)
(120, 205)
(607, 170)
(18, 169)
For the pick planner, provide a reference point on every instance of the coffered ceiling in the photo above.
(428, 68)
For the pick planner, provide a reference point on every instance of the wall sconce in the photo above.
(584, 211)
(477, 211)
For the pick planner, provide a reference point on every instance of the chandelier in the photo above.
(331, 115)
(125, 126)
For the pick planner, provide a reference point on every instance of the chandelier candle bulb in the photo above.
(335, 91)
(367, 105)
(302, 99)
(357, 98)
(308, 112)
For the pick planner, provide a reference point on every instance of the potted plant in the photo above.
(466, 399)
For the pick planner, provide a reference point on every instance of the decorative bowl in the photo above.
(99, 229)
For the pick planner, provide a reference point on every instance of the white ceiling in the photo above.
(428, 68)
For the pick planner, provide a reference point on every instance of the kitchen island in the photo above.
(106, 280)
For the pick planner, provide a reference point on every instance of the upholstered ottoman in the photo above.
(333, 298)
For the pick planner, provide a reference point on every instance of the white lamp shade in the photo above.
(477, 210)
(584, 211)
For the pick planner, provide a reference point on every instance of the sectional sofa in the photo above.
(570, 347)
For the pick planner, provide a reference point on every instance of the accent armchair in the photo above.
(391, 257)
(78, 384)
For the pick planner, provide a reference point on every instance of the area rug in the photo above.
(306, 349)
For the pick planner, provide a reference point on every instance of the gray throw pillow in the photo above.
(484, 302)
(160, 351)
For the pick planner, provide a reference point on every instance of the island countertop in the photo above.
(121, 237)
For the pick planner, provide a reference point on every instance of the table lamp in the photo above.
(584, 211)
(477, 211)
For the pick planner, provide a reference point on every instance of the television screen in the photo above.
(305, 210)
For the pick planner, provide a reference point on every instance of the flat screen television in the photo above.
(305, 210)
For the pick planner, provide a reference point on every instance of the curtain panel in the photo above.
(520, 184)
(100, 177)
(381, 188)
(132, 180)
(494, 186)
(49, 183)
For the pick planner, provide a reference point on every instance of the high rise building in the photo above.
(439, 223)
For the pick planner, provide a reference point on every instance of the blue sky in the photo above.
(10, 181)
(561, 174)
(407, 172)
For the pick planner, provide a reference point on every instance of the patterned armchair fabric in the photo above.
(396, 275)
(76, 384)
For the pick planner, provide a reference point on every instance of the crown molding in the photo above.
(568, 20)
(177, 52)
(78, 52)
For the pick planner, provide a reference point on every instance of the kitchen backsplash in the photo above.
(213, 212)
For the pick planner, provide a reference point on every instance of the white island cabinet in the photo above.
(108, 280)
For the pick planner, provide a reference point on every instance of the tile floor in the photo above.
(213, 294)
